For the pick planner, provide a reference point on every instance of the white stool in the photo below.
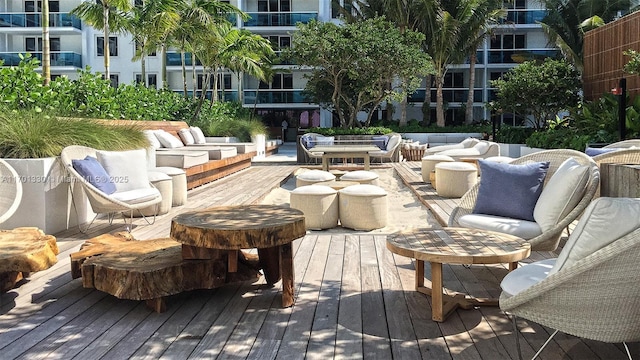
(162, 182)
(179, 182)
(313, 176)
(500, 159)
(361, 176)
(454, 179)
(363, 207)
(429, 164)
(319, 203)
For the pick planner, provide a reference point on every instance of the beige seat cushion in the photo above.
(181, 159)
(517, 227)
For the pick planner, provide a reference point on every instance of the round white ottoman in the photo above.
(162, 182)
(319, 203)
(454, 179)
(179, 182)
(313, 176)
(363, 207)
(429, 164)
(500, 159)
(361, 176)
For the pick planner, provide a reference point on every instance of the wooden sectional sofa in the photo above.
(211, 170)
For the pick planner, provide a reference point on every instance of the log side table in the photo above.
(221, 232)
(24, 250)
(455, 246)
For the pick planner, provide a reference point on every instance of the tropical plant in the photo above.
(567, 21)
(364, 56)
(633, 66)
(537, 92)
(34, 134)
(106, 15)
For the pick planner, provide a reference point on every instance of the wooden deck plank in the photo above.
(353, 299)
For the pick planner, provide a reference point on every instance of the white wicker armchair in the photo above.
(311, 155)
(590, 290)
(624, 144)
(10, 191)
(548, 240)
(102, 203)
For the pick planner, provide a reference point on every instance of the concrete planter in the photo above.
(46, 202)
(261, 143)
(525, 150)
(511, 150)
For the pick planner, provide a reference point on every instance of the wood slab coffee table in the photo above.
(455, 246)
(223, 231)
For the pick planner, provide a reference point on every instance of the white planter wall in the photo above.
(46, 202)
(525, 150)
(511, 150)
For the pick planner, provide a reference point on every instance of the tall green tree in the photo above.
(537, 92)
(364, 57)
(106, 15)
(568, 20)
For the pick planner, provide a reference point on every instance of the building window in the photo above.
(274, 5)
(33, 44)
(113, 78)
(280, 81)
(152, 80)
(454, 80)
(152, 53)
(113, 46)
(30, 6)
(224, 82)
(508, 41)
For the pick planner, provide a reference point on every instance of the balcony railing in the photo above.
(58, 58)
(279, 18)
(519, 56)
(229, 95)
(173, 59)
(524, 16)
(274, 97)
(449, 95)
(35, 20)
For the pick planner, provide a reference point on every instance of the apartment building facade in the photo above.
(75, 45)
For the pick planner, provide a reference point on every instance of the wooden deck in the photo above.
(354, 299)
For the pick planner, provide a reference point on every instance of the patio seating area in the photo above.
(353, 299)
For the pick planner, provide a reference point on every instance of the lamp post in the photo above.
(621, 92)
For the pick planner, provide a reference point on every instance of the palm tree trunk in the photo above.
(46, 46)
(194, 74)
(143, 65)
(468, 117)
(439, 102)
(426, 104)
(105, 19)
(240, 87)
(165, 84)
(183, 62)
(214, 96)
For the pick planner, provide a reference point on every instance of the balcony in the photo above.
(229, 95)
(449, 95)
(520, 56)
(522, 17)
(274, 97)
(23, 20)
(173, 59)
(58, 58)
(279, 18)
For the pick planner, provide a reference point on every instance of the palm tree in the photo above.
(46, 47)
(475, 32)
(106, 15)
(567, 20)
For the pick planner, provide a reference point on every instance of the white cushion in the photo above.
(167, 140)
(198, 135)
(561, 194)
(604, 220)
(128, 169)
(481, 147)
(521, 228)
(394, 140)
(316, 175)
(363, 190)
(186, 136)
(526, 276)
(153, 139)
(315, 189)
(469, 142)
(137, 196)
(472, 151)
(324, 140)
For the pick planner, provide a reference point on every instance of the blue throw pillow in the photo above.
(381, 141)
(95, 174)
(510, 190)
(597, 151)
(307, 141)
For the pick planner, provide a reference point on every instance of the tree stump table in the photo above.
(221, 232)
(149, 270)
(24, 250)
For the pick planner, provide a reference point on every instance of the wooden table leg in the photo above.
(325, 163)
(436, 292)
(270, 264)
(419, 274)
(232, 261)
(513, 266)
(367, 162)
(286, 269)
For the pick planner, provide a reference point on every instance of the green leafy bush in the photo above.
(513, 134)
(29, 133)
(374, 130)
